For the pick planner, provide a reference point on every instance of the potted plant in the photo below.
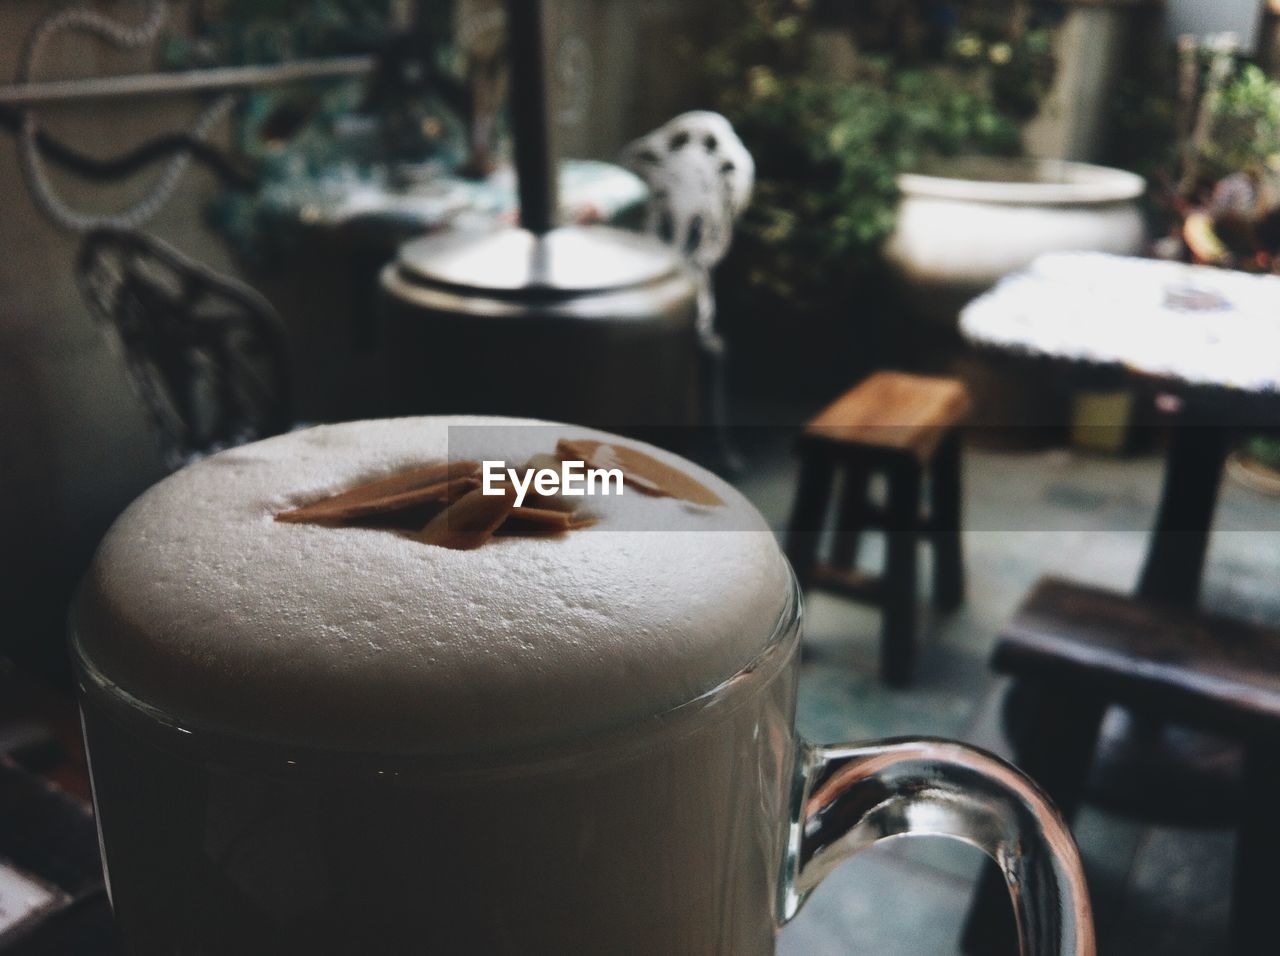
(830, 144)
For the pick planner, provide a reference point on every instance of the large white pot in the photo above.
(965, 223)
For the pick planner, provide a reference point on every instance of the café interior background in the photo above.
(808, 304)
(75, 446)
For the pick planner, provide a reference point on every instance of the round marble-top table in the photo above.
(1211, 338)
(430, 198)
(1209, 335)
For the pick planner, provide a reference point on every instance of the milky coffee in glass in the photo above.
(340, 739)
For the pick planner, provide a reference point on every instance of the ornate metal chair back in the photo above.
(205, 352)
(700, 178)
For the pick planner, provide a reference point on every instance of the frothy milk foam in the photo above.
(206, 607)
(360, 641)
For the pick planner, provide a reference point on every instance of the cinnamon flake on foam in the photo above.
(447, 496)
(643, 472)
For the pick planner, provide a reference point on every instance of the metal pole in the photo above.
(189, 81)
(535, 164)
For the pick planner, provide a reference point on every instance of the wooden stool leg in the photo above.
(1253, 895)
(1059, 734)
(810, 509)
(945, 513)
(898, 627)
(852, 515)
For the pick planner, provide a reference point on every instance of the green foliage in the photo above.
(1141, 117)
(1242, 136)
(1264, 449)
(828, 151)
(229, 32)
(827, 157)
(1246, 128)
(1015, 74)
(295, 135)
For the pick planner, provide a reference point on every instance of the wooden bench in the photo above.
(906, 427)
(1076, 650)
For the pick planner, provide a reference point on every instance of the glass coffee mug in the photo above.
(698, 831)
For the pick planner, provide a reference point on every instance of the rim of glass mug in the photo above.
(198, 742)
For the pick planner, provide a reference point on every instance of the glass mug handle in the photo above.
(849, 797)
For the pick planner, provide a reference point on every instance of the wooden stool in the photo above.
(904, 426)
(1076, 650)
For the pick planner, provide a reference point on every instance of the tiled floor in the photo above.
(1157, 890)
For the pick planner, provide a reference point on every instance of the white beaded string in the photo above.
(124, 37)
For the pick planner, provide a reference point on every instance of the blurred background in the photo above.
(223, 218)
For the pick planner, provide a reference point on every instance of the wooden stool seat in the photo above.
(893, 411)
(905, 426)
(1217, 672)
(1075, 651)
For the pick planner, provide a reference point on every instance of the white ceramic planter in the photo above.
(965, 223)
